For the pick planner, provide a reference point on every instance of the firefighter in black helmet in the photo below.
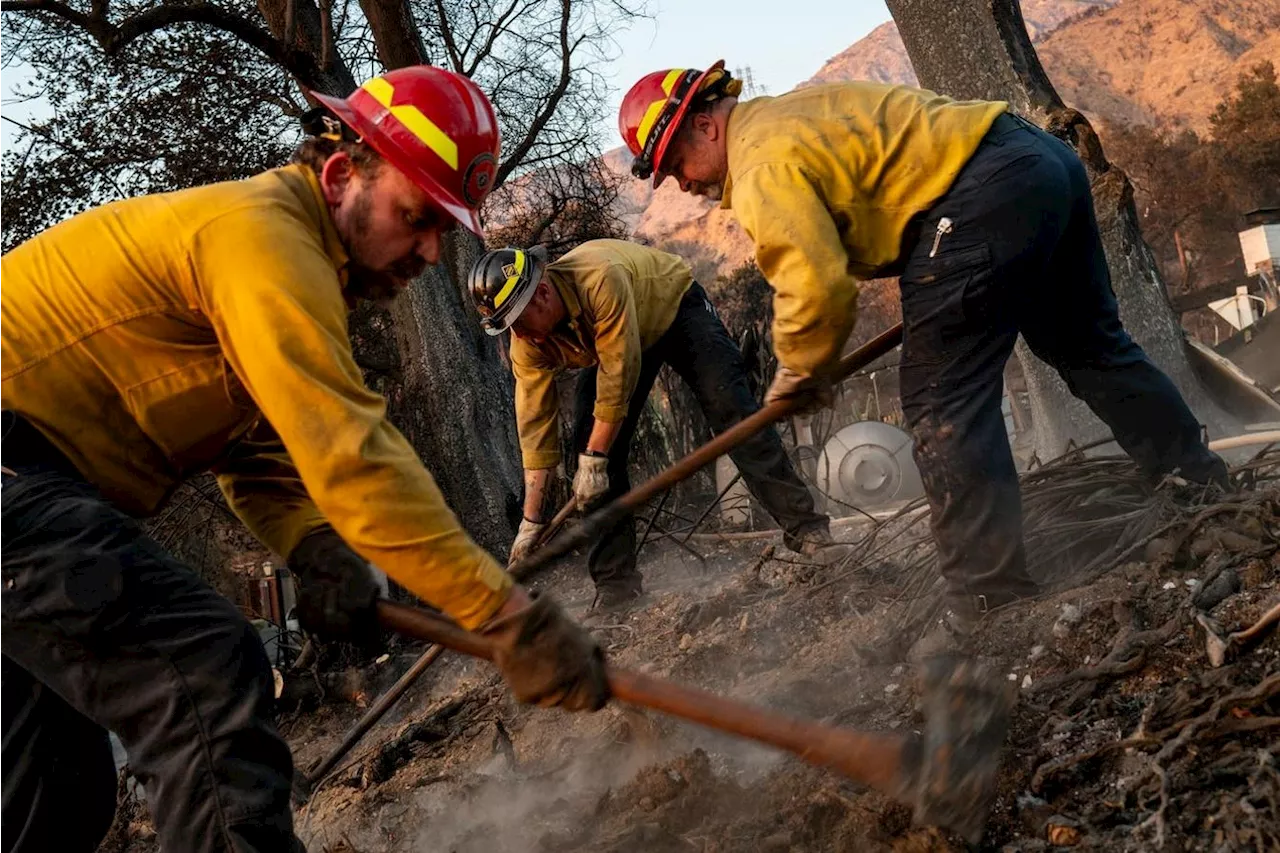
(622, 310)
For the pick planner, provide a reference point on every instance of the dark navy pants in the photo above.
(1022, 255)
(699, 349)
(103, 631)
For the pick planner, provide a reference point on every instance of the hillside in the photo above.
(880, 55)
(710, 238)
(1160, 62)
(1166, 63)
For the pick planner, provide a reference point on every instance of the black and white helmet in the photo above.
(502, 283)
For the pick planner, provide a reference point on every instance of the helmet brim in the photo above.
(676, 121)
(442, 198)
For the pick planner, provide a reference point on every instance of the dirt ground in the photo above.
(1125, 736)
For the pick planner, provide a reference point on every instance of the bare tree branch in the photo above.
(113, 38)
(19, 171)
(62, 10)
(446, 33)
(496, 29)
(397, 38)
(62, 146)
(549, 105)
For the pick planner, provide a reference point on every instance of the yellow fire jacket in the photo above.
(825, 181)
(620, 297)
(149, 339)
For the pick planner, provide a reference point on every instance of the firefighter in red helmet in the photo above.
(206, 330)
(987, 221)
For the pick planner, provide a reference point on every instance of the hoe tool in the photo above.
(947, 774)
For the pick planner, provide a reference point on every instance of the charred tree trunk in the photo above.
(398, 40)
(980, 49)
(455, 400)
(303, 25)
(449, 392)
(456, 403)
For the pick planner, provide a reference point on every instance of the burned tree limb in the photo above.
(550, 102)
(397, 38)
(113, 38)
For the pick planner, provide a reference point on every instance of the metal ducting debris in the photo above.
(869, 464)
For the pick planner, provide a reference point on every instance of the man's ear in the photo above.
(336, 176)
(705, 124)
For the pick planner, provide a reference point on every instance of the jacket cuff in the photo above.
(293, 530)
(483, 609)
(609, 414)
(534, 459)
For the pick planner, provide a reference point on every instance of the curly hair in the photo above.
(315, 151)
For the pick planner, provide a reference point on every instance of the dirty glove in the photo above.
(526, 538)
(592, 480)
(336, 590)
(548, 659)
(810, 393)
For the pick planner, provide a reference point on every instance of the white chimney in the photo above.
(1260, 241)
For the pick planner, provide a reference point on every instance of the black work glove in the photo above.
(548, 659)
(337, 593)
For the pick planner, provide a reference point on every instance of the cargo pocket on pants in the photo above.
(943, 301)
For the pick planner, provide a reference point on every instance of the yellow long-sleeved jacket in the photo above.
(825, 181)
(620, 297)
(207, 329)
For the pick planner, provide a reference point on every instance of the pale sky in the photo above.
(784, 43)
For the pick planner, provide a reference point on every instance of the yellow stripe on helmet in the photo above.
(655, 109)
(512, 281)
(418, 124)
(647, 121)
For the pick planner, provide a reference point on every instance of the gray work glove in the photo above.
(526, 538)
(810, 393)
(548, 659)
(591, 482)
(336, 591)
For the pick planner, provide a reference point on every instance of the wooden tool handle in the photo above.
(744, 429)
(558, 520)
(424, 625)
(876, 760)
(872, 759)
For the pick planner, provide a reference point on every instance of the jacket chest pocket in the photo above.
(575, 350)
(194, 412)
(575, 357)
